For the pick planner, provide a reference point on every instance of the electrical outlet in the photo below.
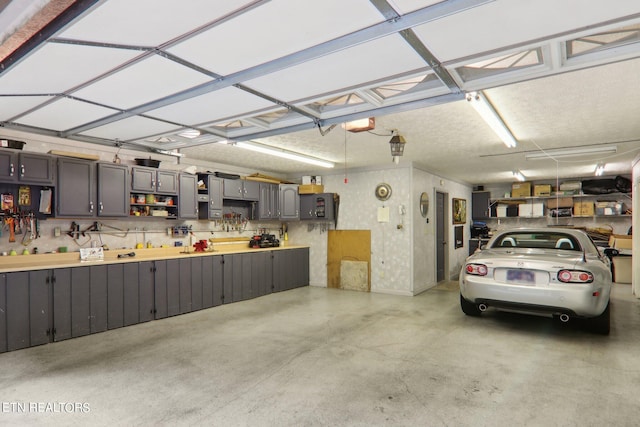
(56, 232)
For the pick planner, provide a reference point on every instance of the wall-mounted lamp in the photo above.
(519, 176)
(397, 143)
(491, 117)
(599, 169)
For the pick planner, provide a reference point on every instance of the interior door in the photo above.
(441, 242)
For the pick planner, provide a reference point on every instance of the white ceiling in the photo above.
(142, 71)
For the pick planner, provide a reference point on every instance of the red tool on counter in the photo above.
(201, 245)
(12, 231)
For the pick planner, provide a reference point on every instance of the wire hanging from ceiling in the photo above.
(346, 180)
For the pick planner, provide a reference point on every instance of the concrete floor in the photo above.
(316, 356)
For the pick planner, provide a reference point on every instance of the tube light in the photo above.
(278, 152)
(519, 176)
(491, 117)
(599, 169)
(572, 152)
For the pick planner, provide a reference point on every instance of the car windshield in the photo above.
(543, 240)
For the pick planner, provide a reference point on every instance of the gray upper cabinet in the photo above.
(84, 193)
(210, 198)
(151, 180)
(318, 207)
(188, 200)
(289, 202)
(28, 168)
(269, 203)
(240, 189)
(76, 188)
(113, 190)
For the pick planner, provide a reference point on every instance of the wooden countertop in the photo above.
(13, 263)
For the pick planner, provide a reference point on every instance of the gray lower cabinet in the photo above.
(41, 306)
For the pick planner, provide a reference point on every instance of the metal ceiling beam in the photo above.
(420, 16)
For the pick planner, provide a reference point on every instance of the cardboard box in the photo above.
(620, 241)
(531, 210)
(310, 189)
(584, 209)
(622, 269)
(560, 202)
(542, 190)
(311, 179)
(521, 189)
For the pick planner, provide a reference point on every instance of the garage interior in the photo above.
(270, 87)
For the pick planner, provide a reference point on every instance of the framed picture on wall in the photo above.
(459, 211)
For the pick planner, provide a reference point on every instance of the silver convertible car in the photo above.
(547, 271)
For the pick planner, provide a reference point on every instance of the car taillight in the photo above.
(575, 276)
(477, 269)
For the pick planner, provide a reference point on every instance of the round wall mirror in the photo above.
(424, 204)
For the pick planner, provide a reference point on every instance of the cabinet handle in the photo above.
(21, 170)
(91, 207)
(11, 169)
(159, 184)
(100, 207)
(153, 184)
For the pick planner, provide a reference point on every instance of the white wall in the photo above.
(635, 274)
(402, 259)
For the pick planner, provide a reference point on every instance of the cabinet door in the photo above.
(307, 206)
(39, 322)
(246, 270)
(480, 201)
(61, 278)
(8, 166)
(217, 278)
(98, 297)
(3, 313)
(131, 294)
(259, 272)
(264, 204)
(279, 270)
(143, 179)
(161, 297)
(301, 260)
(115, 296)
(251, 190)
(275, 201)
(17, 310)
(188, 197)
(113, 190)
(233, 189)
(36, 168)
(185, 285)
(289, 202)
(76, 188)
(196, 283)
(215, 197)
(207, 281)
(146, 307)
(228, 278)
(173, 287)
(166, 182)
(80, 301)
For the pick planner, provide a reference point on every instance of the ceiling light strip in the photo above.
(491, 117)
(285, 154)
(571, 152)
(519, 176)
(599, 169)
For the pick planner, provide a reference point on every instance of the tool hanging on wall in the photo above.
(12, 232)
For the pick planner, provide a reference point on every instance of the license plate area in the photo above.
(521, 277)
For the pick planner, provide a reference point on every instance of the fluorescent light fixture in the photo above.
(599, 169)
(519, 176)
(491, 117)
(168, 153)
(572, 152)
(278, 152)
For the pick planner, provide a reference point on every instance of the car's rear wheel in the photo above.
(469, 308)
(601, 324)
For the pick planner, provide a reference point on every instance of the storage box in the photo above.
(608, 208)
(310, 189)
(311, 179)
(622, 269)
(620, 241)
(584, 209)
(521, 189)
(531, 210)
(560, 202)
(571, 186)
(542, 190)
(501, 211)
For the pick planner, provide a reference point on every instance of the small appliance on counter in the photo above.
(264, 241)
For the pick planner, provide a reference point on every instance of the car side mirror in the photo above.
(611, 252)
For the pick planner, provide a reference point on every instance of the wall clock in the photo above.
(383, 191)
